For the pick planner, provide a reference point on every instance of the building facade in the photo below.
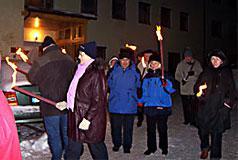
(199, 24)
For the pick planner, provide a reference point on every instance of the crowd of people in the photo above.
(135, 90)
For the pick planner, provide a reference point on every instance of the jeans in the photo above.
(119, 121)
(56, 129)
(97, 150)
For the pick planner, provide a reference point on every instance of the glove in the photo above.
(84, 124)
(183, 82)
(164, 83)
(61, 105)
(190, 73)
(140, 104)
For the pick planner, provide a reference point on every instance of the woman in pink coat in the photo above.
(9, 142)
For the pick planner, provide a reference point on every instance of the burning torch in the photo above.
(60, 105)
(160, 41)
(201, 88)
(23, 56)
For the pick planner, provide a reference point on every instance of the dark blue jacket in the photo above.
(153, 93)
(123, 86)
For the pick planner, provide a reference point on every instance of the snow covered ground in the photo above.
(183, 141)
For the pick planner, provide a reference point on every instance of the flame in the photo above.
(22, 55)
(63, 50)
(14, 75)
(158, 33)
(133, 47)
(143, 62)
(202, 87)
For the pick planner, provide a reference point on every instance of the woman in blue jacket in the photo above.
(123, 83)
(157, 102)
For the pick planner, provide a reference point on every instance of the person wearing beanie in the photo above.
(214, 103)
(156, 98)
(111, 64)
(123, 82)
(52, 73)
(86, 101)
(143, 67)
(186, 74)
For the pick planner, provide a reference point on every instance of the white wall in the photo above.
(12, 22)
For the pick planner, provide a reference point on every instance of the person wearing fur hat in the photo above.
(123, 82)
(186, 74)
(87, 102)
(156, 98)
(215, 101)
(52, 72)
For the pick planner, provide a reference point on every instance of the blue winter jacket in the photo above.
(123, 89)
(154, 94)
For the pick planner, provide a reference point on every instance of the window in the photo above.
(183, 21)
(144, 13)
(89, 6)
(119, 9)
(216, 29)
(166, 17)
(49, 4)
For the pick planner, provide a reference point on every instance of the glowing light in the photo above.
(133, 47)
(37, 22)
(201, 88)
(158, 33)
(22, 55)
(36, 35)
(14, 75)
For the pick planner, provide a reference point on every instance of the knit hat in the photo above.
(187, 52)
(148, 51)
(126, 53)
(89, 48)
(218, 53)
(47, 41)
(155, 57)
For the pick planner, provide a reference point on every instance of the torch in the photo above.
(15, 67)
(23, 56)
(16, 88)
(160, 41)
(201, 88)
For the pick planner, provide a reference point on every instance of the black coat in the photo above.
(213, 115)
(53, 73)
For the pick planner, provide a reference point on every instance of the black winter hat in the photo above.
(218, 53)
(89, 48)
(126, 53)
(155, 57)
(47, 41)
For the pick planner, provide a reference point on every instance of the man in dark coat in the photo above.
(215, 101)
(86, 100)
(52, 72)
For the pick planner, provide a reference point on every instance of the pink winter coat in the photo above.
(9, 142)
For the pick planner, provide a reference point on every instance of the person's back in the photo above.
(52, 72)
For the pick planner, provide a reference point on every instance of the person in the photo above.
(156, 96)
(123, 83)
(215, 101)
(87, 102)
(9, 141)
(186, 74)
(111, 64)
(143, 67)
(53, 72)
